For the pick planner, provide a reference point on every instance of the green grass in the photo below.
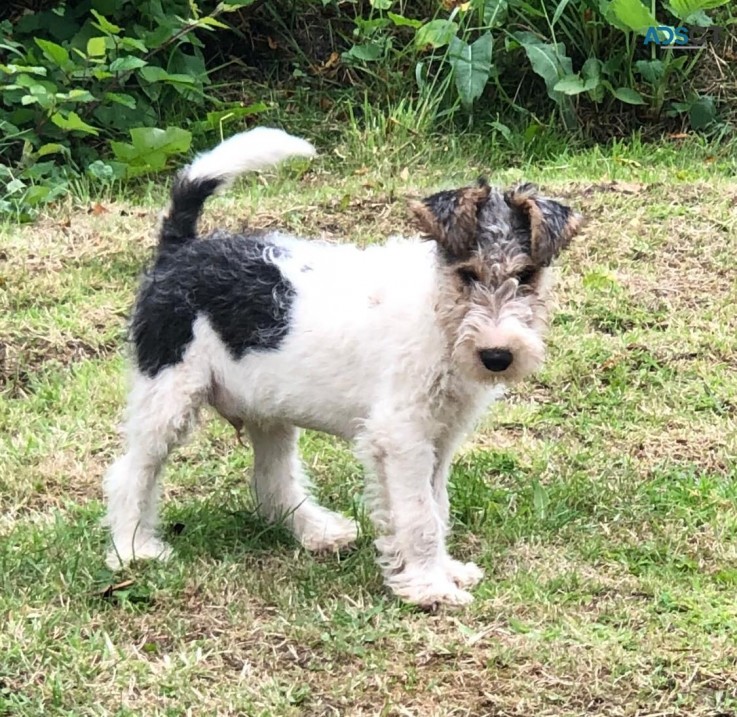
(600, 498)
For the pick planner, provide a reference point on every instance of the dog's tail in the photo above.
(257, 149)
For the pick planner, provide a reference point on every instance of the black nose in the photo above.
(496, 359)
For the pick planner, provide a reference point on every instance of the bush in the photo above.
(106, 90)
(84, 94)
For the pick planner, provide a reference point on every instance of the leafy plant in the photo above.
(66, 101)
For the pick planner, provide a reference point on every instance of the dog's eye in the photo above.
(526, 275)
(468, 276)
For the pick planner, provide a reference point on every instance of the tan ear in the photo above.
(552, 225)
(450, 218)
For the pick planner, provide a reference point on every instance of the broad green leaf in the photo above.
(381, 4)
(471, 66)
(495, 12)
(172, 140)
(96, 47)
(121, 99)
(158, 74)
(15, 69)
(401, 21)
(368, 52)
(682, 9)
(235, 5)
(36, 194)
(700, 19)
(105, 25)
(436, 33)
(628, 95)
(591, 69)
(591, 73)
(571, 85)
(652, 71)
(130, 43)
(127, 63)
(56, 53)
(72, 122)
(208, 21)
(75, 96)
(547, 60)
(50, 148)
(634, 15)
(702, 113)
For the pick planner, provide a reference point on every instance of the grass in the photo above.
(600, 498)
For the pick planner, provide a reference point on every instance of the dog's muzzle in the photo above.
(496, 359)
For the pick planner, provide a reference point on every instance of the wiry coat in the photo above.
(396, 347)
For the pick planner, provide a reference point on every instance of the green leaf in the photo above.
(51, 148)
(121, 99)
(75, 96)
(15, 69)
(172, 140)
(381, 4)
(368, 52)
(130, 43)
(634, 15)
(591, 72)
(208, 21)
(558, 12)
(36, 194)
(651, 71)
(127, 63)
(150, 148)
(72, 122)
(56, 53)
(222, 117)
(471, 66)
(570, 85)
(401, 21)
(547, 60)
(158, 74)
(495, 12)
(628, 95)
(683, 9)
(702, 113)
(436, 33)
(235, 5)
(96, 47)
(105, 25)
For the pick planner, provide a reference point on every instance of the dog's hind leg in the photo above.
(282, 490)
(161, 410)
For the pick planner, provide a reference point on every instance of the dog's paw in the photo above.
(151, 549)
(329, 535)
(464, 575)
(429, 591)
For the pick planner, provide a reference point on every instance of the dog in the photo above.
(397, 348)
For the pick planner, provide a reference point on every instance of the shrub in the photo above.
(84, 93)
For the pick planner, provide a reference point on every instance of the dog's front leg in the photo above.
(407, 516)
(465, 575)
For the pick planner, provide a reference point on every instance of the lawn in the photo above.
(599, 498)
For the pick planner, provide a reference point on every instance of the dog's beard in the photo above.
(479, 332)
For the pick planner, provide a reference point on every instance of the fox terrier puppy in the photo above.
(396, 348)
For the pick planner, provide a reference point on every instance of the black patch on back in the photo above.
(225, 277)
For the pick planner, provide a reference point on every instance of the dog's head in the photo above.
(495, 251)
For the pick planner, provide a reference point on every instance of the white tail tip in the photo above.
(258, 148)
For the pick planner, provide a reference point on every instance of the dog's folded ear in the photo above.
(551, 225)
(450, 217)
